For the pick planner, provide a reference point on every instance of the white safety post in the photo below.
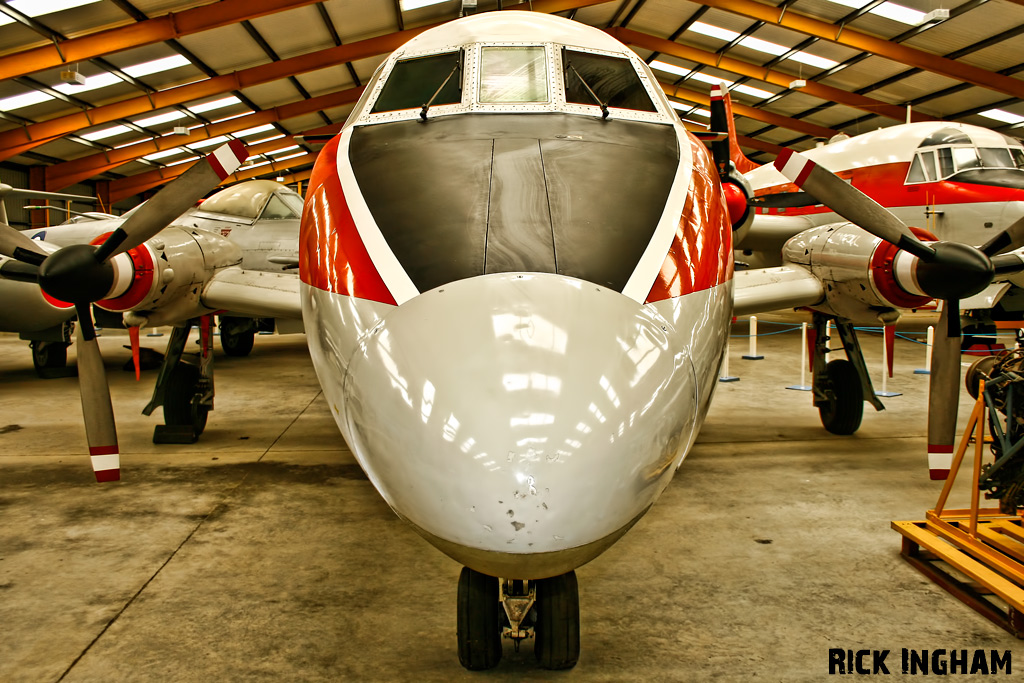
(724, 376)
(929, 342)
(753, 340)
(885, 370)
(803, 386)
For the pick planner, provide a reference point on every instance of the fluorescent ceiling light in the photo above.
(37, 8)
(407, 5)
(1000, 115)
(669, 68)
(889, 10)
(291, 156)
(106, 133)
(156, 66)
(284, 149)
(248, 166)
(25, 100)
(216, 104)
(713, 80)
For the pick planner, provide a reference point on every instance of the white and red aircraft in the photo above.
(517, 285)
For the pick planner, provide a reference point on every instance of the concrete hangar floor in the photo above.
(263, 553)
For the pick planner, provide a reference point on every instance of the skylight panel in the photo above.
(37, 8)
(165, 153)
(407, 5)
(209, 143)
(156, 66)
(25, 100)
(106, 133)
(1000, 115)
(159, 118)
(889, 10)
(713, 31)
(252, 131)
(216, 104)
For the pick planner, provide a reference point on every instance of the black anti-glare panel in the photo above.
(458, 196)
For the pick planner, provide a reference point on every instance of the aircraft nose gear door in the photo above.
(184, 388)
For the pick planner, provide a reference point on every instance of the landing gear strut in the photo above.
(184, 388)
(840, 386)
(547, 610)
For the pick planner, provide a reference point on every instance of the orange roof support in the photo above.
(904, 54)
(736, 66)
(70, 172)
(167, 27)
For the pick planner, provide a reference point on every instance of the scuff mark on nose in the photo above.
(517, 525)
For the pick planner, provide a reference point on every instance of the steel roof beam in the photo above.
(868, 43)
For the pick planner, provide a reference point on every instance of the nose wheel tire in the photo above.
(182, 405)
(479, 620)
(845, 408)
(557, 643)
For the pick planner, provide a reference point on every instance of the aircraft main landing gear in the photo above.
(840, 386)
(547, 610)
(184, 389)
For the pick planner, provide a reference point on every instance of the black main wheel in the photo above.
(236, 339)
(479, 621)
(49, 355)
(181, 402)
(557, 644)
(845, 408)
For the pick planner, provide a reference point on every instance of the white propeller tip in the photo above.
(106, 465)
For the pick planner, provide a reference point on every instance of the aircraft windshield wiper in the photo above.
(597, 100)
(423, 111)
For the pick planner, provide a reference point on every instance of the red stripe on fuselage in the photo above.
(885, 184)
(332, 256)
(701, 253)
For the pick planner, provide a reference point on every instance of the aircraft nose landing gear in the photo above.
(547, 610)
(184, 390)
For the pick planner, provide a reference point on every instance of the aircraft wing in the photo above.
(255, 293)
(768, 289)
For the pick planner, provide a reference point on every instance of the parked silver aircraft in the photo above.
(517, 285)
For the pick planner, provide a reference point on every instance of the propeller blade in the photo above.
(849, 202)
(719, 122)
(174, 199)
(100, 430)
(1008, 240)
(944, 391)
(16, 245)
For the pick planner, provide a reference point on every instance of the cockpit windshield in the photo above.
(518, 77)
(611, 80)
(939, 163)
(416, 82)
(513, 75)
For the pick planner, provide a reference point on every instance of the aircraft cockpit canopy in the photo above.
(252, 201)
(514, 77)
(951, 151)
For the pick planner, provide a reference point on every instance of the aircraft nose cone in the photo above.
(521, 422)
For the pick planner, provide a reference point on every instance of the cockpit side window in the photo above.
(277, 210)
(412, 83)
(1018, 156)
(613, 81)
(966, 157)
(995, 157)
(513, 75)
(916, 174)
(946, 167)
